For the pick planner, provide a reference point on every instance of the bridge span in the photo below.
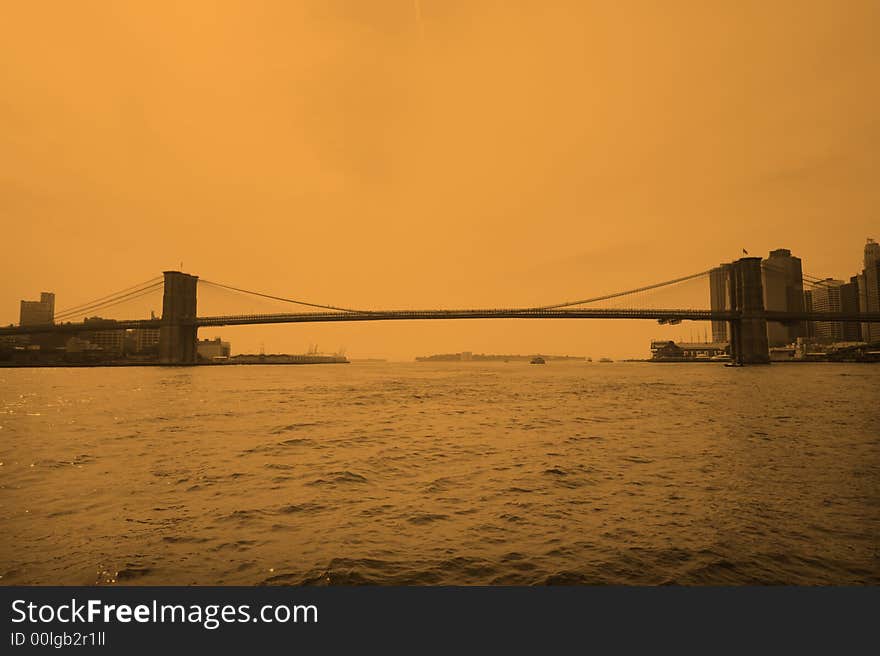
(179, 323)
(478, 313)
(660, 315)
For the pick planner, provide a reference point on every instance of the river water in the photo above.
(441, 473)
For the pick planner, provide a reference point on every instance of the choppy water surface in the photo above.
(421, 473)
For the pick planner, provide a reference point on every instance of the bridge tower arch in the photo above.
(748, 333)
(178, 332)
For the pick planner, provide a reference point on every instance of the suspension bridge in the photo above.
(743, 312)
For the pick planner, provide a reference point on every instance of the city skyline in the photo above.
(346, 158)
(782, 291)
(775, 284)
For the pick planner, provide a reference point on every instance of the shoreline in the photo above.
(91, 365)
(83, 365)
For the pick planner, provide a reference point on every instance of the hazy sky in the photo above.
(497, 153)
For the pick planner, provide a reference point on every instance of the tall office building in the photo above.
(37, 312)
(826, 298)
(849, 302)
(808, 307)
(719, 279)
(868, 282)
(783, 281)
(872, 252)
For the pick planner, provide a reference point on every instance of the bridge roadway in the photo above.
(661, 315)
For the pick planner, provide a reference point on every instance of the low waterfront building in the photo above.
(14, 341)
(80, 345)
(145, 339)
(670, 351)
(213, 349)
(783, 353)
(111, 341)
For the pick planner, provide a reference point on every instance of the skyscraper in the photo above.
(782, 277)
(872, 252)
(849, 302)
(719, 279)
(826, 298)
(868, 282)
(808, 306)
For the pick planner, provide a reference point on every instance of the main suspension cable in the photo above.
(76, 308)
(145, 292)
(625, 293)
(285, 300)
(110, 301)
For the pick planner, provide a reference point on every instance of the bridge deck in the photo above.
(421, 315)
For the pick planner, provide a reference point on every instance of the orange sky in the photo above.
(502, 153)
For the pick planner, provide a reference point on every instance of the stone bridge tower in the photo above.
(178, 332)
(748, 334)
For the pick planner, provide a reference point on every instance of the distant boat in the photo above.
(605, 360)
(537, 360)
(721, 357)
